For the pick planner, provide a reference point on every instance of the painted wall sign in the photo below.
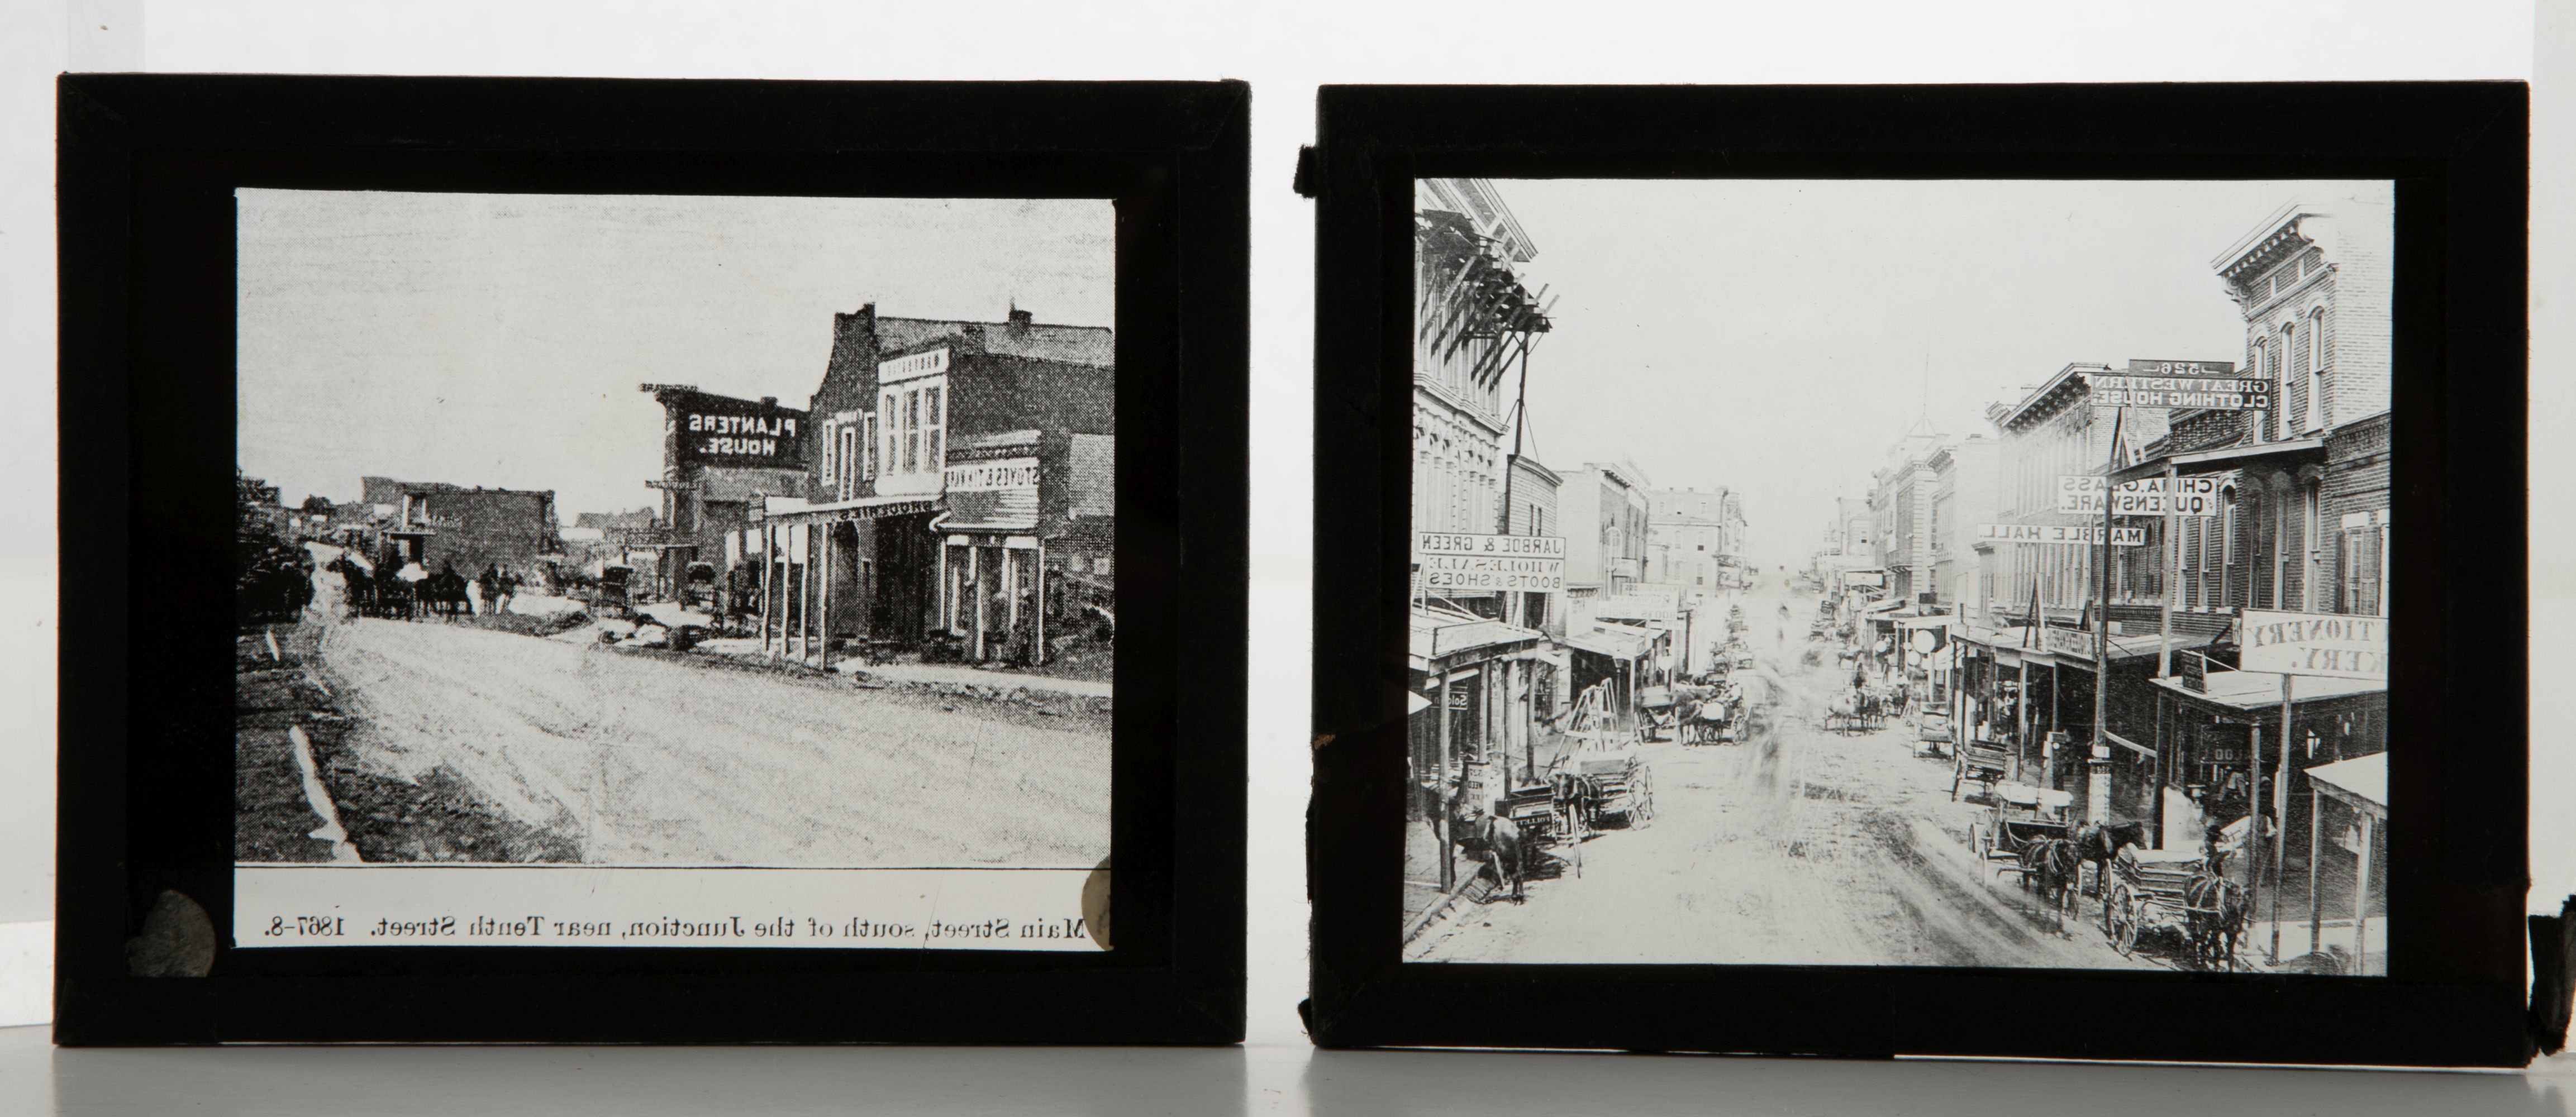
(990, 476)
(2335, 644)
(2087, 534)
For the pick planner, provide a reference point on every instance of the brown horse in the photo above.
(2218, 910)
(2049, 867)
(1498, 841)
(2101, 842)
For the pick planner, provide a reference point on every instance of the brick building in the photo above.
(438, 524)
(2303, 521)
(964, 490)
(721, 457)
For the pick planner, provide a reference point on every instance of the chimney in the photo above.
(1020, 322)
(769, 401)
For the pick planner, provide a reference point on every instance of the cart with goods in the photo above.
(1982, 763)
(2021, 815)
(2180, 891)
(1658, 709)
(1549, 831)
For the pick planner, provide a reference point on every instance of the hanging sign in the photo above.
(2072, 534)
(2332, 644)
(2081, 493)
(2210, 385)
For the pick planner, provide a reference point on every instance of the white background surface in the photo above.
(1284, 50)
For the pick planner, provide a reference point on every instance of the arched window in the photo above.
(2318, 413)
(2272, 371)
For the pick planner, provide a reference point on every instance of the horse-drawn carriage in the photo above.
(1982, 763)
(613, 592)
(1717, 718)
(2186, 892)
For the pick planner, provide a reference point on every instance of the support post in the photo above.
(2173, 567)
(825, 596)
(2253, 819)
(975, 575)
(1038, 653)
(2281, 819)
(2316, 827)
(2361, 897)
(768, 572)
(1010, 597)
(2101, 743)
(1440, 793)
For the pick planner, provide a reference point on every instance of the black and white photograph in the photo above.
(1901, 572)
(673, 533)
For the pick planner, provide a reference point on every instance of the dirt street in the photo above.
(1797, 847)
(635, 760)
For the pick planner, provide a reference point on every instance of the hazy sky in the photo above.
(1775, 336)
(488, 339)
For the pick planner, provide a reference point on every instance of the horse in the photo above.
(2049, 866)
(357, 586)
(2099, 843)
(444, 594)
(2218, 911)
(1499, 840)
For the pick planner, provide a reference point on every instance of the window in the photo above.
(935, 427)
(2272, 372)
(2318, 415)
(912, 432)
(890, 419)
(2358, 561)
(831, 453)
(870, 420)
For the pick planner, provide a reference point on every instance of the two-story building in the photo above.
(962, 492)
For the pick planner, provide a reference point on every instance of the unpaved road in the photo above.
(1796, 847)
(641, 761)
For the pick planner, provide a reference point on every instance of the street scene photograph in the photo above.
(1900, 572)
(613, 530)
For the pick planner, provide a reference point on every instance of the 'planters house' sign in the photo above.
(724, 431)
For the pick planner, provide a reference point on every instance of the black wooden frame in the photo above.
(147, 165)
(2459, 155)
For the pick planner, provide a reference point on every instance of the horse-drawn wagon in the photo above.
(2185, 892)
(1982, 762)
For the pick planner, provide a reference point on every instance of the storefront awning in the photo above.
(1610, 642)
(2259, 690)
(2361, 782)
(2296, 451)
(1444, 633)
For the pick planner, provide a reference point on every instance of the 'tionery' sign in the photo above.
(2334, 644)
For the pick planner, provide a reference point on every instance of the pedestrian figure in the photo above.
(489, 584)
